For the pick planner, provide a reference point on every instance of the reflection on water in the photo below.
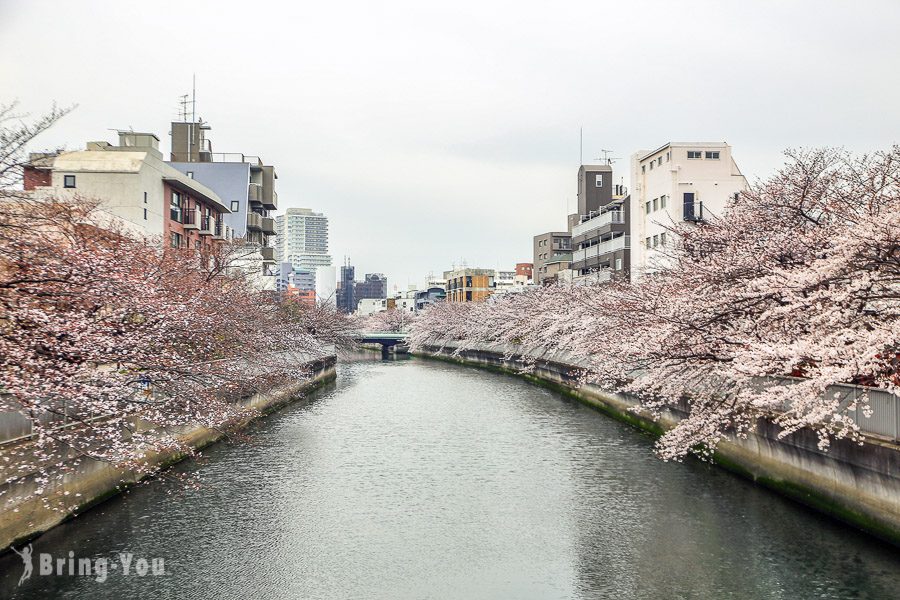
(411, 479)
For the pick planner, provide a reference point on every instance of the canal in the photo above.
(418, 479)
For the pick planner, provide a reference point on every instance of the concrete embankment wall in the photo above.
(856, 483)
(96, 481)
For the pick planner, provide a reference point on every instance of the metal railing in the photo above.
(619, 243)
(598, 221)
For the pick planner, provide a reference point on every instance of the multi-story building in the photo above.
(549, 246)
(346, 302)
(678, 182)
(373, 285)
(136, 190)
(326, 285)
(525, 270)
(288, 276)
(245, 184)
(429, 296)
(302, 239)
(601, 242)
(557, 270)
(469, 285)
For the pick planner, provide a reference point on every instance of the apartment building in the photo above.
(469, 285)
(138, 191)
(600, 242)
(302, 239)
(373, 285)
(244, 182)
(676, 183)
(525, 270)
(547, 247)
(558, 270)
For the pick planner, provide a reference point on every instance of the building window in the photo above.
(651, 164)
(599, 182)
(659, 161)
(656, 204)
(662, 201)
(176, 240)
(69, 181)
(662, 238)
(190, 174)
(695, 154)
(175, 207)
(647, 242)
(648, 207)
(145, 197)
(668, 155)
(145, 214)
(655, 241)
(712, 155)
(643, 168)
(235, 205)
(618, 264)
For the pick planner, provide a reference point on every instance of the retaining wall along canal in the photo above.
(96, 481)
(856, 483)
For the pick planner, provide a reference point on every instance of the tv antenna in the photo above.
(607, 159)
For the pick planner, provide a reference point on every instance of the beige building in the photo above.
(677, 183)
(469, 285)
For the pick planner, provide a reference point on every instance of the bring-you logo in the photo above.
(99, 568)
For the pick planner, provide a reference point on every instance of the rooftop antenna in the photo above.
(607, 159)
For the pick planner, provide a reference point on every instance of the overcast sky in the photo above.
(431, 133)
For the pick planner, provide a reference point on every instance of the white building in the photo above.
(678, 182)
(369, 306)
(326, 285)
(302, 239)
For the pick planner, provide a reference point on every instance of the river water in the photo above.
(418, 479)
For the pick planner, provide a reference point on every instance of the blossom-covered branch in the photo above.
(800, 278)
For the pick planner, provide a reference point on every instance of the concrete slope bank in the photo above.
(96, 481)
(857, 484)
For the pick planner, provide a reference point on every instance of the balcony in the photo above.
(268, 225)
(272, 203)
(693, 211)
(191, 219)
(619, 243)
(255, 193)
(207, 225)
(254, 221)
(598, 221)
(268, 253)
(220, 230)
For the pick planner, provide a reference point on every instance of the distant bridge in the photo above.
(387, 339)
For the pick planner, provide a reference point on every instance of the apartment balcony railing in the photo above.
(191, 218)
(254, 221)
(598, 221)
(207, 225)
(619, 243)
(693, 211)
(220, 230)
(255, 193)
(268, 253)
(268, 225)
(235, 157)
(273, 203)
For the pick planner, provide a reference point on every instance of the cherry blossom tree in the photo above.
(800, 278)
(393, 320)
(111, 345)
